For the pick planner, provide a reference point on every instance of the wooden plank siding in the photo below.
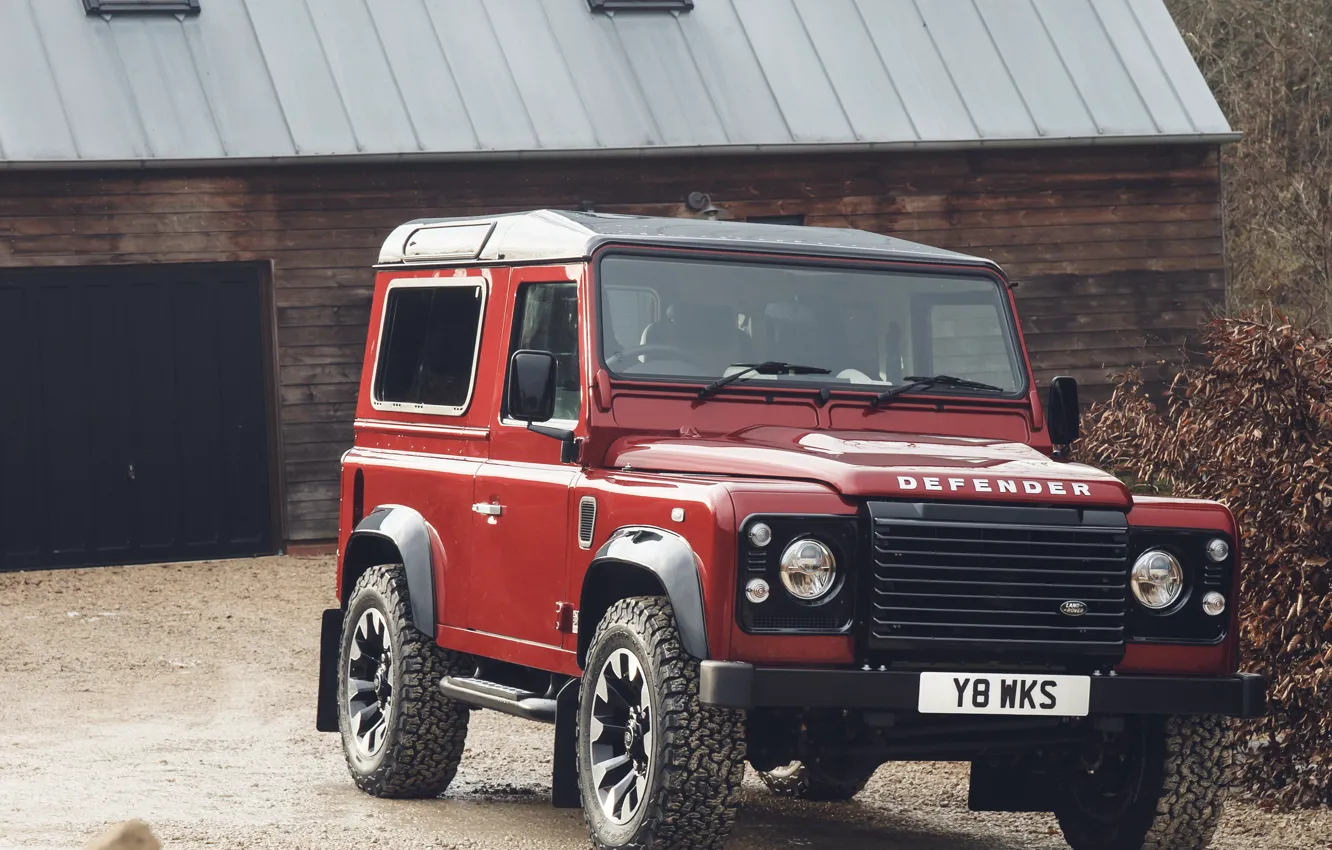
(1117, 251)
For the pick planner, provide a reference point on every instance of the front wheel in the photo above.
(1158, 785)
(655, 767)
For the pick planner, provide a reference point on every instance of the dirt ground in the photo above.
(184, 695)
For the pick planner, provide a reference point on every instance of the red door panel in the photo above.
(521, 519)
(518, 555)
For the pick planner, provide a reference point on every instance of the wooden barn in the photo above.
(192, 194)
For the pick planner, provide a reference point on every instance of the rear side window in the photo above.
(428, 348)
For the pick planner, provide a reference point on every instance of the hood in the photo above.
(873, 463)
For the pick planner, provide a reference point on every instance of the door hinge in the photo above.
(566, 618)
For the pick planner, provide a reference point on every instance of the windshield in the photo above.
(870, 329)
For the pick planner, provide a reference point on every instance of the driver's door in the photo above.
(521, 496)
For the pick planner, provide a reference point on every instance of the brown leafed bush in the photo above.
(1252, 427)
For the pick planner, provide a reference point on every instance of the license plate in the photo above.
(999, 693)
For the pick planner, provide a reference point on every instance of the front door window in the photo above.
(546, 319)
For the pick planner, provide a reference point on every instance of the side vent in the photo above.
(587, 521)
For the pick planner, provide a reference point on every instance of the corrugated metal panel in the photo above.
(794, 70)
(742, 95)
(1185, 78)
(987, 89)
(251, 80)
(1136, 55)
(33, 124)
(104, 117)
(669, 79)
(491, 95)
(1096, 68)
(311, 102)
(853, 65)
(922, 79)
(423, 76)
(235, 76)
(542, 74)
(605, 81)
(168, 97)
(361, 71)
(1029, 54)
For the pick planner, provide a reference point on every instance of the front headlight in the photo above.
(808, 569)
(1157, 579)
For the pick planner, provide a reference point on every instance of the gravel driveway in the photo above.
(184, 695)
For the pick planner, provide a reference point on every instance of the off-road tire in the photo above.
(698, 752)
(801, 781)
(1180, 799)
(425, 730)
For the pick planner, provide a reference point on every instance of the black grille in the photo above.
(967, 581)
(804, 623)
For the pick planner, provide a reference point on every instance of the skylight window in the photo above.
(157, 7)
(640, 5)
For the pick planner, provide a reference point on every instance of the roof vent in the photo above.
(158, 7)
(587, 521)
(640, 5)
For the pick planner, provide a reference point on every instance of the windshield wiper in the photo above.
(919, 382)
(769, 367)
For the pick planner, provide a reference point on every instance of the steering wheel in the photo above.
(651, 348)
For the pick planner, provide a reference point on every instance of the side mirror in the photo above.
(532, 386)
(1062, 411)
(532, 398)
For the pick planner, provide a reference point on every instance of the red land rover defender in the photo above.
(706, 493)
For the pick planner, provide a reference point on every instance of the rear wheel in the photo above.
(655, 767)
(816, 782)
(1158, 785)
(401, 736)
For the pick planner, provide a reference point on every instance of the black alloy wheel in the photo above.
(369, 682)
(621, 736)
(1157, 785)
(1109, 775)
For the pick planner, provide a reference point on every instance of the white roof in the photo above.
(563, 235)
(253, 81)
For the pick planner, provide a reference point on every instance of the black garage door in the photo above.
(133, 422)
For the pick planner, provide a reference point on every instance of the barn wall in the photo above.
(1118, 251)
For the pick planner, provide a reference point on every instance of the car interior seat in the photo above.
(708, 335)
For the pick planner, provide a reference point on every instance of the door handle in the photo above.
(488, 509)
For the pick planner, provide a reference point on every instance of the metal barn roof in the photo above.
(560, 235)
(273, 80)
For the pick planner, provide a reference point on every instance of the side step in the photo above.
(497, 697)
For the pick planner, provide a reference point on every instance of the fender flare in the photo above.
(641, 555)
(408, 532)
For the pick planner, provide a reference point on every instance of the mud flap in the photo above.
(564, 793)
(330, 644)
(1010, 788)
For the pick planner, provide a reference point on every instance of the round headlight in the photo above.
(1157, 579)
(760, 534)
(1217, 549)
(808, 569)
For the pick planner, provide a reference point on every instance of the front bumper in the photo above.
(730, 684)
